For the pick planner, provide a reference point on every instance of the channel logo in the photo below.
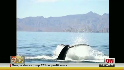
(17, 59)
(109, 60)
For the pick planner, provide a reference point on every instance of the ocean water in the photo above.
(43, 47)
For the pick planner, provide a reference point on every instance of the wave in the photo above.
(80, 53)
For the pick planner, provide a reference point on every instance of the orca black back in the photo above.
(63, 53)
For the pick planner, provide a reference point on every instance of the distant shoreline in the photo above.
(67, 32)
(89, 23)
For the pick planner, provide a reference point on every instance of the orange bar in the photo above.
(61, 68)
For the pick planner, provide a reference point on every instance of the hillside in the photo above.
(90, 22)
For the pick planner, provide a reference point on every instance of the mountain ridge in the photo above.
(89, 22)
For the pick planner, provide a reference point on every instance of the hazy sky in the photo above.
(56, 8)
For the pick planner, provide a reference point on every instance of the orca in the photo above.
(64, 51)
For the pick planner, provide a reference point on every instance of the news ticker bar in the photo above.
(59, 65)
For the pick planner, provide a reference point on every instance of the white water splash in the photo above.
(76, 54)
(80, 40)
(81, 52)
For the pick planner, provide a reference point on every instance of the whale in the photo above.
(64, 51)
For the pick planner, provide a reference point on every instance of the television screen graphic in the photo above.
(63, 31)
